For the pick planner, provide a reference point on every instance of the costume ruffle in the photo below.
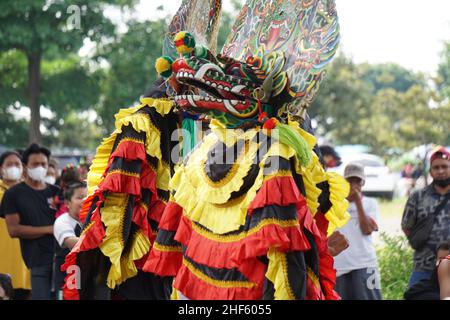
(222, 243)
(126, 176)
(314, 174)
(217, 217)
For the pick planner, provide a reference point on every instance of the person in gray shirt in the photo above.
(421, 205)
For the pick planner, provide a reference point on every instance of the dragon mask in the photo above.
(271, 65)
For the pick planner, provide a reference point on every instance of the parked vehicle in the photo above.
(380, 181)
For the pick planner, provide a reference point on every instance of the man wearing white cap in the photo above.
(357, 267)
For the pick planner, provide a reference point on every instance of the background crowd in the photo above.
(39, 225)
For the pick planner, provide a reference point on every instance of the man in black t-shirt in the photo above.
(30, 213)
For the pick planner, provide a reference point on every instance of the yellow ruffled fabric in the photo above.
(161, 105)
(112, 215)
(309, 138)
(98, 166)
(139, 247)
(174, 295)
(230, 136)
(122, 267)
(139, 122)
(219, 218)
(339, 190)
(278, 275)
(142, 123)
(219, 192)
(314, 174)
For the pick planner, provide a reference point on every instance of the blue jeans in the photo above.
(41, 282)
(416, 276)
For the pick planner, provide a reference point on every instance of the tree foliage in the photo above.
(131, 68)
(384, 106)
(43, 29)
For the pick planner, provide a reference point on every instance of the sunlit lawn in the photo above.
(392, 209)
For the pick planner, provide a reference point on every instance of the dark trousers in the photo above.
(41, 282)
(360, 284)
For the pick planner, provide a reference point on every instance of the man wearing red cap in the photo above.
(426, 219)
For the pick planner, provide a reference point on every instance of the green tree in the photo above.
(420, 123)
(389, 75)
(131, 68)
(41, 29)
(443, 79)
(74, 130)
(342, 98)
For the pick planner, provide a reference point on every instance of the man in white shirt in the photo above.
(357, 267)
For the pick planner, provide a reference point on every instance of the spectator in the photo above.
(357, 267)
(11, 261)
(83, 171)
(426, 219)
(428, 289)
(67, 228)
(6, 287)
(52, 173)
(69, 175)
(407, 171)
(330, 157)
(29, 212)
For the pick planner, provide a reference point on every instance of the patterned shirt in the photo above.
(420, 205)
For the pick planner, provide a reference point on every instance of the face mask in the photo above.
(50, 179)
(442, 183)
(37, 174)
(12, 173)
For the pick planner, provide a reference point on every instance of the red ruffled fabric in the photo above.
(313, 292)
(139, 217)
(327, 273)
(171, 217)
(87, 203)
(281, 191)
(156, 210)
(120, 183)
(165, 263)
(232, 254)
(196, 289)
(241, 254)
(90, 239)
(322, 223)
(327, 276)
(130, 150)
(148, 179)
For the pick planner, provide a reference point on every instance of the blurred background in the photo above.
(66, 67)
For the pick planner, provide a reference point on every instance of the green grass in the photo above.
(392, 209)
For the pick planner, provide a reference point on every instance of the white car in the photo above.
(380, 181)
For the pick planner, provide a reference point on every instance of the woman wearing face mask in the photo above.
(11, 262)
(52, 174)
(29, 212)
